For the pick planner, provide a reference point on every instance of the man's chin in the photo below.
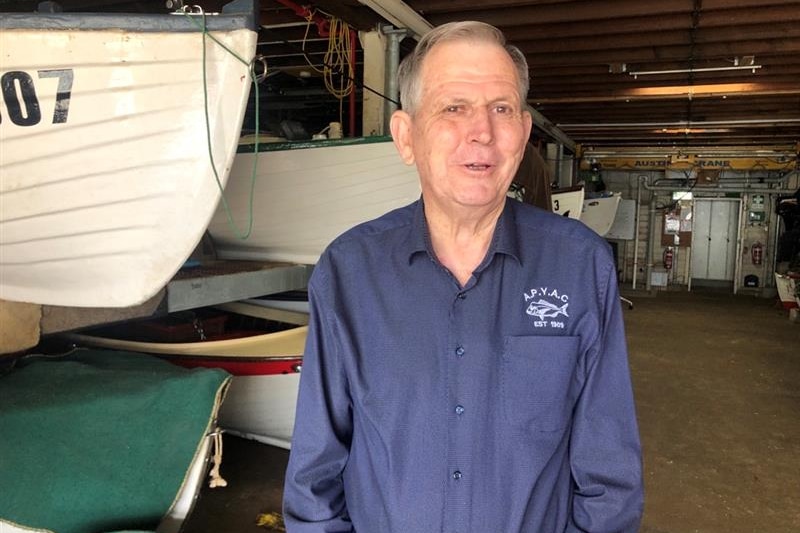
(480, 201)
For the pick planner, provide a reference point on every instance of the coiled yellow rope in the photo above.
(337, 60)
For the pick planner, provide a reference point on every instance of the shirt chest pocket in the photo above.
(538, 381)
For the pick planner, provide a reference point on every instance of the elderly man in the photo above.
(466, 368)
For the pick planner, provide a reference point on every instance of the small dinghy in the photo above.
(263, 355)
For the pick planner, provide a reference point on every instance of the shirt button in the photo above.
(460, 351)
(459, 409)
(461, 296)
(457, 475)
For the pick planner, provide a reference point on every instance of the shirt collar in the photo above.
(505, 239)
(506, 234)
(418, 238)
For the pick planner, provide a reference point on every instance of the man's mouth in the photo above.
(477, 166)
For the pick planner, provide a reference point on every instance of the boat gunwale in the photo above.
(265, 146)
(171, 348)
(240, 15)
(229, 358)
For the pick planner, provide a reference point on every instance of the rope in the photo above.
(216, 458)
(337, 59)
(309, 21)
(251, 68)
(311, 64)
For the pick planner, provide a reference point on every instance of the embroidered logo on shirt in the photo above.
(541, 306)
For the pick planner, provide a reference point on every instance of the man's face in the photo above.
(469, 130)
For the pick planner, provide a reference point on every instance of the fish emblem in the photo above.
(543, 309)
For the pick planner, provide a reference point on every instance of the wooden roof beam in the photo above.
(649, 55)
(681, 92)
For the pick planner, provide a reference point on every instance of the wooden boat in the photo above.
(260, 403)
(106, 184)
(307, 193)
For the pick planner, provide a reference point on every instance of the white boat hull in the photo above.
(567, 202)
(599, 213)
(304, 198)
(105, 180)
(261, 408)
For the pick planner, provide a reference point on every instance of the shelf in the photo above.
(211, 283)
(229, 281)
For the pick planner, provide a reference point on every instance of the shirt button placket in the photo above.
(457, 507)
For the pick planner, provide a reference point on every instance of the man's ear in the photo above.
(527, 119)
(400, 126)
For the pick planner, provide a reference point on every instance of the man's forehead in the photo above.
(456, 45)
(475, 57)
(449, 67)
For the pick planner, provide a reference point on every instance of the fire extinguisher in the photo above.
(757, 253)
(669, 254)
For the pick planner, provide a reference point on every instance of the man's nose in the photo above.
(481, 128)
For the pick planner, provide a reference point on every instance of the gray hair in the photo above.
(409, 72)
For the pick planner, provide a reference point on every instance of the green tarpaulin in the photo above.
(99, 440)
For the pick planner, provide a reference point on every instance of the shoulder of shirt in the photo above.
(375, 230)
(351, 251)
(366, 239)
(549, 227)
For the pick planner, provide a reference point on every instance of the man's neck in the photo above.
(461, 238)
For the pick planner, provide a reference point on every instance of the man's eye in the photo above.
(503, 109)
(454, 108)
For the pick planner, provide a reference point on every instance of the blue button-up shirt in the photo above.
(501, 406)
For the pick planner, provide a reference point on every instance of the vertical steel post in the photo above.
(394, 37)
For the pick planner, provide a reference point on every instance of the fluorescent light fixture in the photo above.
(638, 73)
(401, 15)
(743, 63)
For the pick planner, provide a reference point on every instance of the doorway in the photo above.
(715, 237)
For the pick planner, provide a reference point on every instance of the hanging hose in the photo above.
(188, 12)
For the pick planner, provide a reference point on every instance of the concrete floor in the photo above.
(717, 382)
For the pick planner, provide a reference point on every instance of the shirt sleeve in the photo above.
(605, 452)
(314, 500)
